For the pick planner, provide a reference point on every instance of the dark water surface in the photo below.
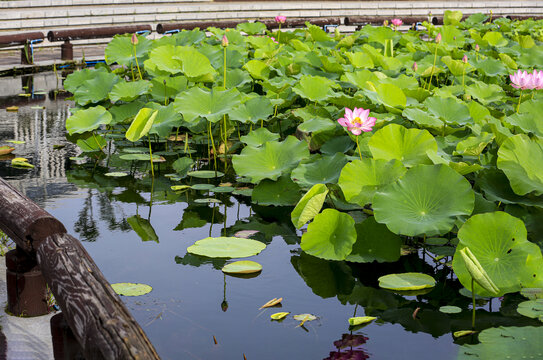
(192, 301)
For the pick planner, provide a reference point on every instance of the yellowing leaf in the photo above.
(461, 333)
(304, 317)
(271, 303)
(12, 108)
(279, 315)
(4, 150)
(180, 187)
(361, 320)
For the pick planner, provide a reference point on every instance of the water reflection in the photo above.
(349, 347)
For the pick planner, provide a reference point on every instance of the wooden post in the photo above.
(65, 345)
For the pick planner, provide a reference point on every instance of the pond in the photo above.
(429, 200)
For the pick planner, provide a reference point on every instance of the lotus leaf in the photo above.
(315, 88)
(330, 236)
(143, 228)
(319, 169)
(495, 39)
(166, 87)
(410, 146)
(96, 89)
(85, 120)
(521, 159)
(532, 309)
(282, 192)
(131, 289)
(203, 186)
(422, 118)
(122, 113)
(421, 202)
(77, 78)
(490, 66)
(141, 124)
(88, 142)
(309, 205)
(447, 309)
(182, 166)
(361, 320)
(374, 243)
(121, 50)
(194, 65)
(406, 281)
(242, 267)
(165, 121)
(527, 123)
(450, 110)
(254, 110)
(271, 160)
(226, 247)
(498, 241)
(279, 315)
(205, 174)
(360, 179)
(391, 95)
(359, 60)
(129, 91)
(116, 174)
(505, 343)
(259, 137)
(258, 69)
(474, 145)
(212, 105)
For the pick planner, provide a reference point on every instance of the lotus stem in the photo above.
(358, 146)
(225, 144)
(463, 75)
(151, 155)
(519, 98)
(473, 303)
(213, 146)
(433, 67)
(224, 69)
(137, 64)
(279, 34)
(97, 143)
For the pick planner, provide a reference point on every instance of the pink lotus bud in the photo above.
(415, 66)
(385, 23)
(280, 19)
(465, 59)
(396, 22)
(224, 41)
(477, 47)
(438, 38)
(134, 39)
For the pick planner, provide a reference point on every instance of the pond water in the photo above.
(192, 301)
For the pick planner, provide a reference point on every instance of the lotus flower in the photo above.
(537, 80)
(415, 66)
(465, 59)
(396, 22)
(438, 38)
(134, 39)
(357, 120)
(522, 80)
(477, 48)
(280, 19)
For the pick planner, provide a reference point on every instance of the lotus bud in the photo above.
(337, 33)
(134, 39)
(385, 23)
(224, 305)
(224, 41)
(477, 47)
(438, 38)
(465, 59)
(415, 66)
(280, 19)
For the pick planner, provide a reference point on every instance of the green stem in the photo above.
(225, 144)
(279, 34)
(463, 75)
(519, 98)
(433, 67)
(358, 146)
(151, 155)
(137, 64)
(213, 146)
(224, 69)
(473, 304)
(97, 143)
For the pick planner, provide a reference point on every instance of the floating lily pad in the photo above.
(131, 289)
(279, 315)
(448, 309)
(532, 309)
(246, 233)
(203, 186)
(304, 318)
(226, 247)
(242, 267)
(207, 201)
(116, 174)
(407, 281)
(223, 189)
(205, 174)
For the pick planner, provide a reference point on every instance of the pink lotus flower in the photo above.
(357, 120)
(465, 59)
(396, 22)
(522, 80)
(537, 80)
(280, 19)
(415, 66)
(438, 38)
(477, 47)
(273, 39)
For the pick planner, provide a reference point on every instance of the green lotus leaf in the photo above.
(131, 289)
(259, 137)
(495, 185)
(143, 228)
(530, 57)
(391, 95)
(180, 188)
(124, 112)
(474, 145)
(182, 166)
(532, 293)
(448, 309)
(498, 241)
(315, 88)
(521, 159)
(375, 243)
(166, 87)
(283, 192)
(490, 66)
(360, 179)
(194, 65)
(271, 160)
(236, 78)
(495, 38)
(212, 105)
(406, 281)
(77, 78)
(360, 60)
(254, 110)
(205, 174)
(129, 91)
(258, 69)
(165, 59)
(88, 142)
(309, 205)
(139, 157)
(141, 124)
(532, 309)
(252, 28)
(527, 123)
(120, 50)
(226, 247)
(422, 118)
(360, 78)
(337, 144)
(410, 146)
(166, 120)
(204, 187)
(242, 267)
(505, 343)
(87, 120)
(485, 93)
(330, 236)
(96, 89)
(319, 169)
(450, 110)
(421, 202)
(457, 67)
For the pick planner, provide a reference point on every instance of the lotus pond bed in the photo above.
(369, 238)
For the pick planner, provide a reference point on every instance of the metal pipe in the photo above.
(95, 33)
(222, 24)
(297, 22)
(20, 39)
(378, 20)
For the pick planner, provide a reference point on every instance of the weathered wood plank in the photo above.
(98, 318)
(24, 221)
